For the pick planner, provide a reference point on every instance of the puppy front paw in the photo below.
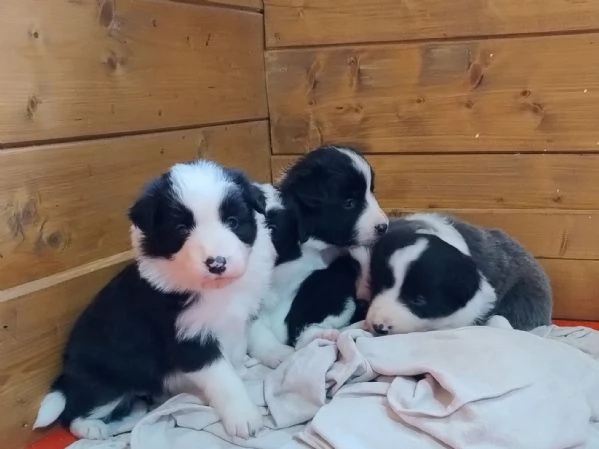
(329, 334)
(243, 419)
(89, 429)
(276, 357)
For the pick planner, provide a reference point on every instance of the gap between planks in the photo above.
(143, 132)
(224, 5)
(63, 276)
(442, 39)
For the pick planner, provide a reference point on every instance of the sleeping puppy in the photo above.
(176, 319)
(323, 205)
(433, 272)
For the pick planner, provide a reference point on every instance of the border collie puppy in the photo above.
(323, 205)
(176, 319)
(432, 271)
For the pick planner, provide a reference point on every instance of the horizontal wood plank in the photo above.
(555, 234)
(316, 22)
(575, 285)
(91, 67)
(33, 330)
(482, 181)
(65, 205)
(496, 95)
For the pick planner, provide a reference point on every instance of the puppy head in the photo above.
(193, 228)
(419, 282)
(332, 191)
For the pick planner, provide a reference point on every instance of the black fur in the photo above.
(165, 223)
(124, 343)
(284, 234)
(326, 195)
(324, 293)
(440, 282)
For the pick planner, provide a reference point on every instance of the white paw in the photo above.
(242, 420)
(274, 358)
(89, 429)
(329, 334)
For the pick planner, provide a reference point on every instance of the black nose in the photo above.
(381, 228)
(216, 265)
(380, 329)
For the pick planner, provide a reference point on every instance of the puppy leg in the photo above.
(93, 425)
(315, 332)
(226, 393)
(264, 345)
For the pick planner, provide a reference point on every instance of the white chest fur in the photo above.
(286, 280)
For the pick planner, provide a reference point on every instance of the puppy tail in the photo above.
(52, 407)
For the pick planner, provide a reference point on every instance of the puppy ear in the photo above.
(256, 198)
(304, 228)
(251, 192)
(144, 212)
(306, 191)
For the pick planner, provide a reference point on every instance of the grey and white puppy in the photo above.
(432, 271)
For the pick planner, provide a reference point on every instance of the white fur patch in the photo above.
(372, 215)
(226, 393)
(442, 228)
(329, 324)
(51, 408)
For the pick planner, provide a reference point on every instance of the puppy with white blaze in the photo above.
(176, 319)
(432, 271)
(323, 206)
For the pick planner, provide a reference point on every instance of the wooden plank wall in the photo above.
(484, 109)
(97, 96)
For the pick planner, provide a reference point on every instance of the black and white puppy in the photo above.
(432, 271)
(176, 319)
(323, 205)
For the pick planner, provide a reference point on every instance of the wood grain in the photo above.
(312, 22)
(90, 67)
(65, 205)
(567, 234)
(496, 95)
(483, 181)
(32, 334)
(246, 4)
(575, 286)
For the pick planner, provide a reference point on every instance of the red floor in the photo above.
(59, 439)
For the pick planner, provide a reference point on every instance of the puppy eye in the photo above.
(419, 300)
(232, 222)
(182, 229)
(349, 203)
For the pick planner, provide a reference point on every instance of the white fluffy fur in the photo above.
(373, 214)
(442, 228)
(50, 409)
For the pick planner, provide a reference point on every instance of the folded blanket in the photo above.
(469, 388)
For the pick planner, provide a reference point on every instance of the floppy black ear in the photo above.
(256, 198)
(304, 228)
(306, 189)
(251, 192)
(143, 213)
